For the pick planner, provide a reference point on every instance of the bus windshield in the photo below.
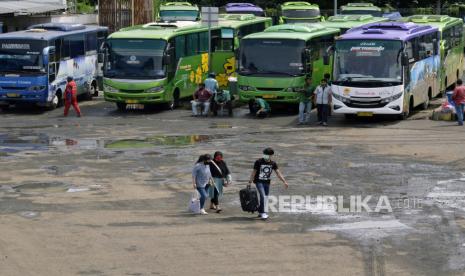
(256, 13)
(179, 15)
(271, 56)
(363, 12)
(301, 13)
(365, 61)
(136, 58)
(21, 56)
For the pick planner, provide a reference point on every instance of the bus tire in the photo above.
(121, 106)
(425, 104)
(176, 98)
(88, 94)
(57, 101)
(407, 112)
(94, 89)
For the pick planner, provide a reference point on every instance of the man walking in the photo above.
(305, 102)
(459, 99)
(71, 97)
(323, 101)
(261, 176)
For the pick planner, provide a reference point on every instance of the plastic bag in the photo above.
(194, 203)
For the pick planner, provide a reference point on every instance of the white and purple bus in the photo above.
(244, 8)
(385, 68)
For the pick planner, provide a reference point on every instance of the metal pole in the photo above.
(209, 40)
(132, 9)
(335, 7)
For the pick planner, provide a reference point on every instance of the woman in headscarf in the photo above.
(221, 178)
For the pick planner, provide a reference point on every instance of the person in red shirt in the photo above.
(201, 99)
(71, 97)
(459, 99)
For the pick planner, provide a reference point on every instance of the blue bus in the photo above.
(35, 63)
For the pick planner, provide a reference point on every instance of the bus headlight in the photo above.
(341, 98)
(107, 88)
(295, 89)
(154, 89)
(392, 98)
(37, 88)
(246, 88)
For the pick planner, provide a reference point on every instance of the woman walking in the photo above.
(221, 178)
(201, 176)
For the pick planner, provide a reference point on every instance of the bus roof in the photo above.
(49, 31)
(242, 7)
(159, 30)
(237, 20)
(300, 31)
(351, 21)
(388, 30)
(360, 6)
(439, 21)
(299, 6)
(178, 6)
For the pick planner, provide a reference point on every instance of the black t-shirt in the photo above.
(264, 170)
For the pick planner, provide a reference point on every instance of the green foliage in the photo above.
(85, 6)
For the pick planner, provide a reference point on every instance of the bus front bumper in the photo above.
(7, 98)
(271, 97)
(391, 108)
(135, 98)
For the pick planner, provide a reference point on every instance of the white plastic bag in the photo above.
(194, 203)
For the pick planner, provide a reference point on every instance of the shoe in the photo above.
(259, 215)
(202, 212)
(320, 123)
(264, 216)
(325, 124)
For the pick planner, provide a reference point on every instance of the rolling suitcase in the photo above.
(249, 199)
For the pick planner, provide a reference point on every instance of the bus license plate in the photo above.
(131, 101)
(365, 114)
(13, 95)
(269, 96)
(135, 106)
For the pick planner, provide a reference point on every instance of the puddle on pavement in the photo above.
(221, 125)
(41, 187)
(182, 140)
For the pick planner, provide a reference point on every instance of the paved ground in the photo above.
(107, 194)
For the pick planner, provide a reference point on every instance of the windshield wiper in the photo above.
(267, 72)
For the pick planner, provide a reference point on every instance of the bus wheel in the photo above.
(121, 106)
(93, 89)
(56, 101)
(407, 112)
(175, 101)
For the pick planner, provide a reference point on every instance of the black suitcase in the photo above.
(249, 199)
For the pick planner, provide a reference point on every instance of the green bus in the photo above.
(361, 8)
(273, 64)
(346, 22)
(178, 11)
(299, 12)
(451, 45)
(160, 63)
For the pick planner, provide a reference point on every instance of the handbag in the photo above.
(194, 203)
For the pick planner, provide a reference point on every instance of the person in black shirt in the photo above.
(261, 176)
(221, 178)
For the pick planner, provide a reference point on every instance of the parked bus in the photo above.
(160, 63)
(299, 12)
(35, 63)
(244, 8)
(385, 68)
(273, 64)
(361, 8)
(451, 46)
(346, 22)
(178, 11)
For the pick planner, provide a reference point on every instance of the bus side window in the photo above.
(76, 45)
(192, 44)
(203, 42)
(447, 38)
(65, 47)
(91, 43)
(101, 36)
(180, 47)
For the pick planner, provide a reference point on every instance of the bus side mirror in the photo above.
(166, 59)
(404, 60)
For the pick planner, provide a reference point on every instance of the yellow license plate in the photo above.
(269, 96)
(365, 114)
(12, 95)
(131, 101)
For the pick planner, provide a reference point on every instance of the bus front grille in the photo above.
(269, 89)
(13, 88)
(131, 91)
(365, 102)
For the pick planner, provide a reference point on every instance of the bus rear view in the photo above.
(385, 68)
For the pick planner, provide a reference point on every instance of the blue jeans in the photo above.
(459, 110)
(203, 196)
(264, 191)
(304, 111)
